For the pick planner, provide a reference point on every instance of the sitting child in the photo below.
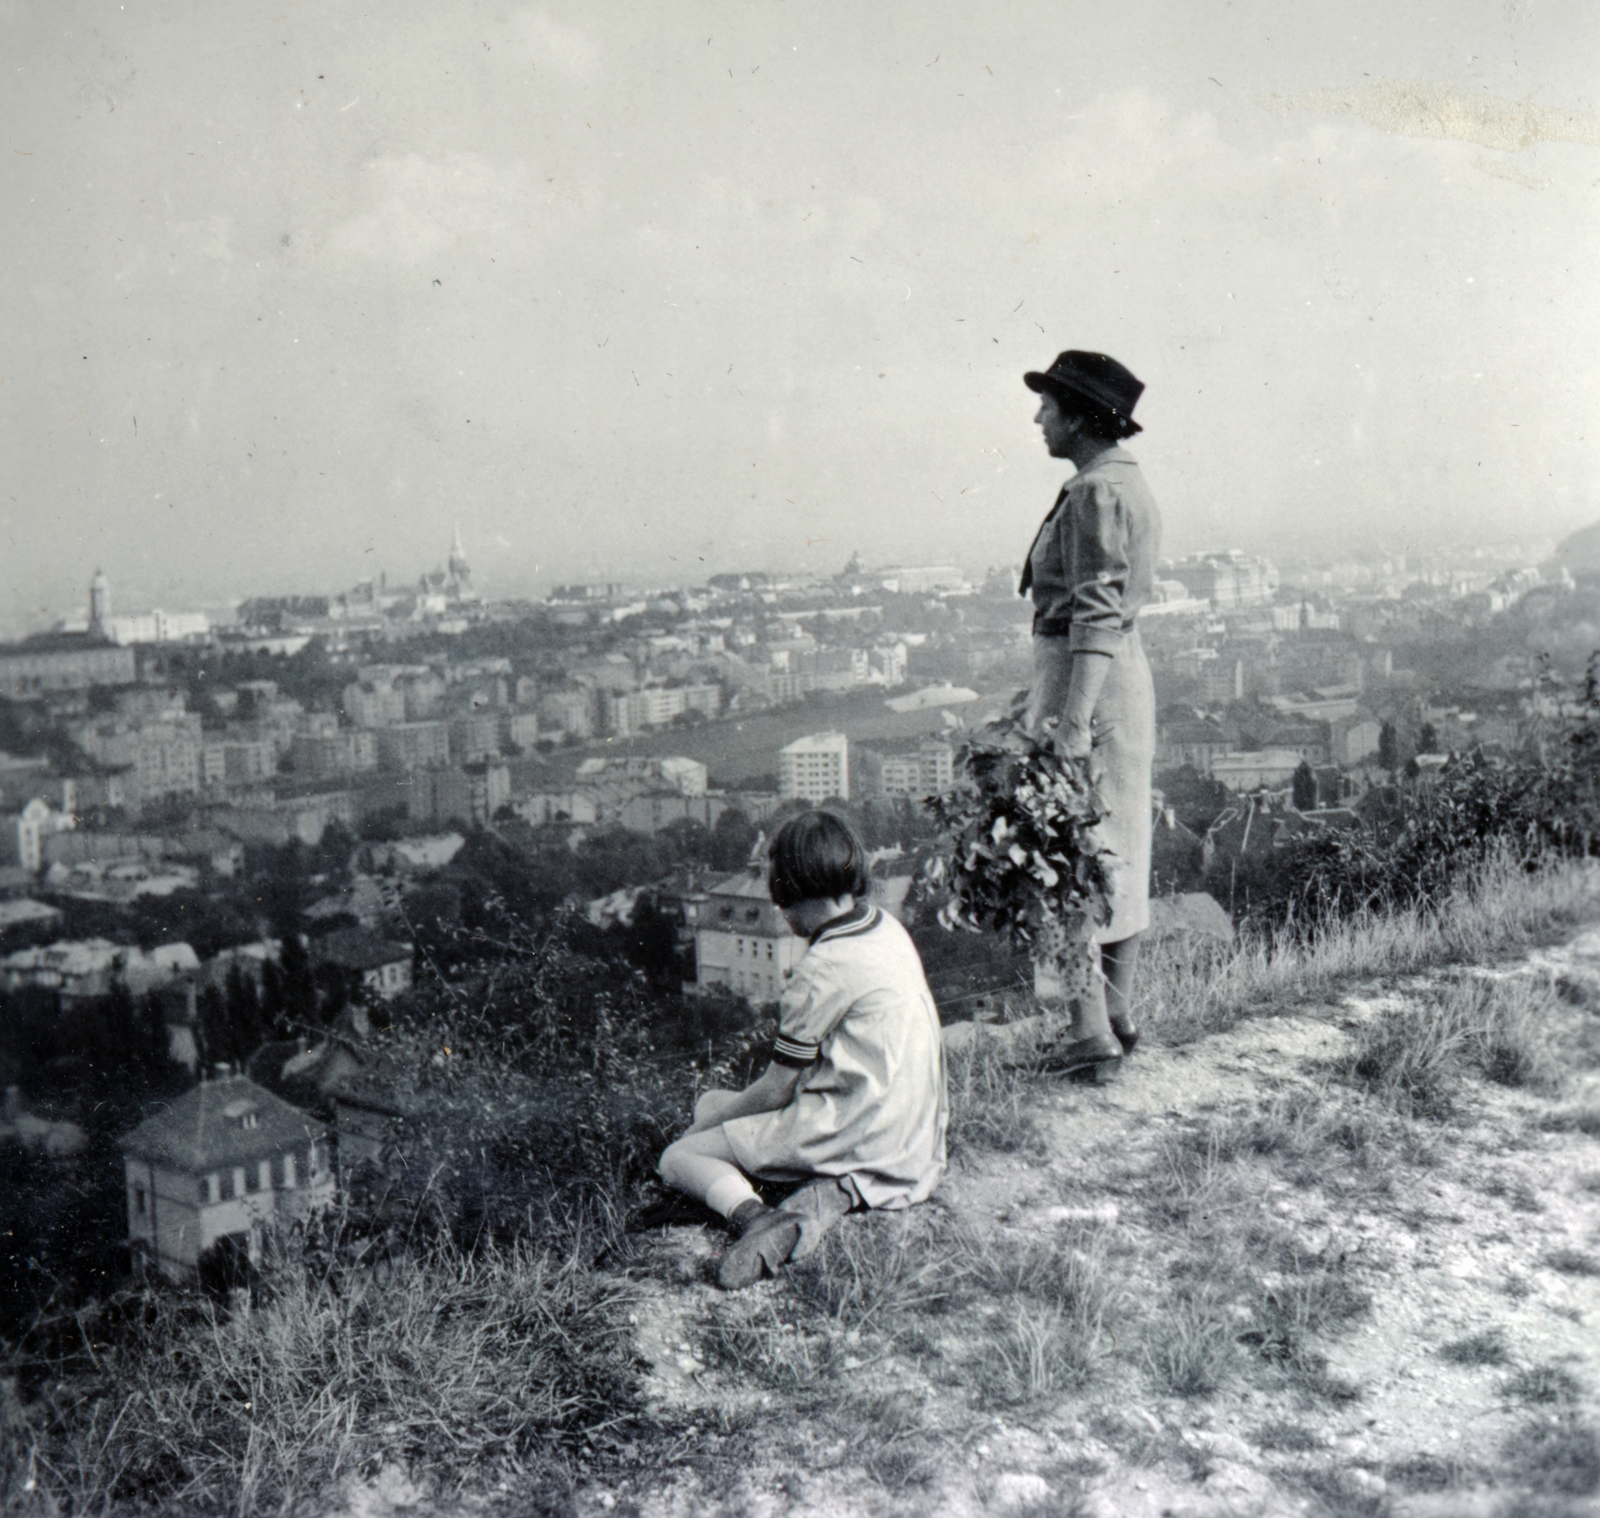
(854, 1101)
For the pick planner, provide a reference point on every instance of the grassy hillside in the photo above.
(1231, 1282)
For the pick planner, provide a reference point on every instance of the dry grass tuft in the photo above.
(766, 1348)
(1486, 1348)
(878, 1270)
(1290, 1438)
(1302, 1128)
(1057, 1297)
(1573, 1120)
(1312, 1300)
(1242, 1276)
(1192, 1347)
(1431, 1473)
(1541, 1385)
(991, 1096)
(1558, 1457)
(1573, 1262)
(876, 1279)
(1417, 1060)
(1044, 1306)
(1042, 1351)
(461, 1363)
(1190, 990)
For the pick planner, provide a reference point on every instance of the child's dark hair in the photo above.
(816, 855)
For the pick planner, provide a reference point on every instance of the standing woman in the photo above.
(1090, 569)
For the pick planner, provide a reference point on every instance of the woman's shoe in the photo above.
(766, 1239)
(1128, 1037)
(1095, 1059)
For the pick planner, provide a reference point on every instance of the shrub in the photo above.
(1542, 802)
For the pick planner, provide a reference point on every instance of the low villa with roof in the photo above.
(381, 966)
(741, 941)
(219, 1166)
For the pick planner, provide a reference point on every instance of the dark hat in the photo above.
(1095, 378)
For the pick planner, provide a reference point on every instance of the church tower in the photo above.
(460, 570)
(100, 605)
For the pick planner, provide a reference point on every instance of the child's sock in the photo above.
(729, 1192)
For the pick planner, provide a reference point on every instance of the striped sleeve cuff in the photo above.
(791, 1052)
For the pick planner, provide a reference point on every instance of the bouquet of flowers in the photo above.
(1016, 852)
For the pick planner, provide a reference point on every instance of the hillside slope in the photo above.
(1340, 1260)
(1580, 551)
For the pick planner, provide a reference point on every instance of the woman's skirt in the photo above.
(1121, 761)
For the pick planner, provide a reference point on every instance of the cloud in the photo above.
(564, 48)
(1411, 108)
(1125, 141)
(210, 237)
(415, 207)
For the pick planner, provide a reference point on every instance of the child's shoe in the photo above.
(766, 1238)
(819, 1205)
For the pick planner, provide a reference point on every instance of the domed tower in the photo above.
(460, 570)
(100, 604)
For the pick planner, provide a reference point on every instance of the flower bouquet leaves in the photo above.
(1017, 852)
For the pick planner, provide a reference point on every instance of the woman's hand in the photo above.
(1075, 736)
(1075, 742)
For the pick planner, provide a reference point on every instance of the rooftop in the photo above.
(747, 884)
(56, 643)
(357, 949)
(817, 743)
(231, 1121)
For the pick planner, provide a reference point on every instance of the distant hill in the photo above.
(1581, 551)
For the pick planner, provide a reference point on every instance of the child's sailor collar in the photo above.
(861, 918)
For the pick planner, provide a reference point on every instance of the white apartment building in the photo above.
(928, 772)
(629, 712)
(814, 768)
(570, 711)
(22, 833)
(366, 703)
(164, 757)
(318, 755)
(158, 627)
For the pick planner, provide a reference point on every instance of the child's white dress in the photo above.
(858, 1016)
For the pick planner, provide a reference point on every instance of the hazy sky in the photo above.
(681, 286)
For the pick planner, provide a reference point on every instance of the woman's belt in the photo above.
(1059, 627)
